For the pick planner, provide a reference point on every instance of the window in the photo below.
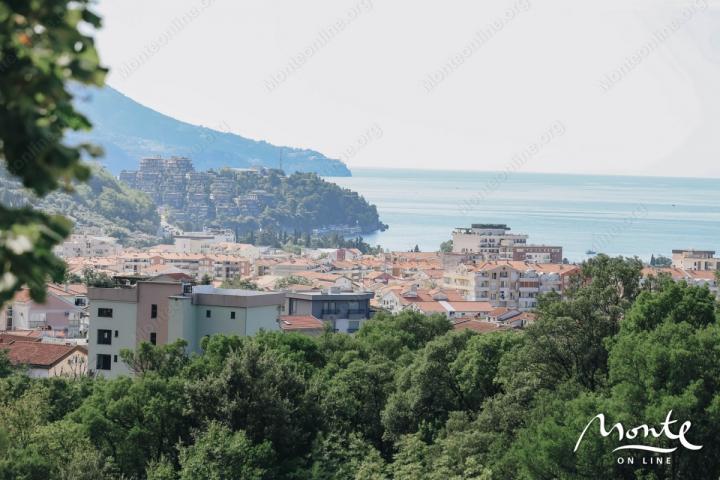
(153, 311)
(104, 337)
(208, 313)
(329, 307)
(105, 312)
(153, 338)
(232, 315)
(116, 333)
(103, 362)
(114, 358)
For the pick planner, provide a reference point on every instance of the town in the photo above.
(206, 283)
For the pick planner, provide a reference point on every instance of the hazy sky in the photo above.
(610, 86)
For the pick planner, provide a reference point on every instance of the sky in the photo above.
(626, 87)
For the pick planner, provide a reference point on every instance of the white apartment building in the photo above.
(208, 311)
(81, 245)
(510, 284)
(202, 242)
(699, 278)
(695, 259)
(196, 265)
(487, 241)
(161, 312)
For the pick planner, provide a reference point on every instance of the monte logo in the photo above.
(644, 431)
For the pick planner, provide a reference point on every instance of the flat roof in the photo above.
(320, 295)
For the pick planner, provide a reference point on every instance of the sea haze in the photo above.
(616, 215)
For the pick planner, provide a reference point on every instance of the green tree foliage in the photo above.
(240, 283)
(93, 278)
(6, 367)
(135, 421)
(102, 202)
(166, 360)
(446, 246)
(259, 392)
(300, 202)
(43, 46)
(290, 280)
(455, 372)
(218, 453)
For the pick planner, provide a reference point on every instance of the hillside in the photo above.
(129, 131)
(250, 199)
(102, 202)
(241, 200)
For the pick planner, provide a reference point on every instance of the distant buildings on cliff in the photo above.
(196, 196)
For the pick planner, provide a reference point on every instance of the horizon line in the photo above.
(465, 170)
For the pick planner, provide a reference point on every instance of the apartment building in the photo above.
(196, 265)
(695, 259)
(122, 317)
(509, 284)
(396, 298)
(161, 312)
(344, 311)
(80, 245)
(202, 242)
(537, 254)
(699, 278)
(487, 241)
(204, 310)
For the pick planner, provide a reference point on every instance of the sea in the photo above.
(617, 215)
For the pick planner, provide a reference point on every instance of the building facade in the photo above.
(537, 254)
(695, 259)
(122, 318)
(509, 284)
(344, 311)
(161, 312)
(80, 245)
(487, 241)
(206, 311)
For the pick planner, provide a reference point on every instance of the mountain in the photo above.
(129, 131)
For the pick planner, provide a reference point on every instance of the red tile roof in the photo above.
(38, 354)
(10, 338)
(300, 322)
(476, 326)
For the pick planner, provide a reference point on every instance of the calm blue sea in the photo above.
(611, 214)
